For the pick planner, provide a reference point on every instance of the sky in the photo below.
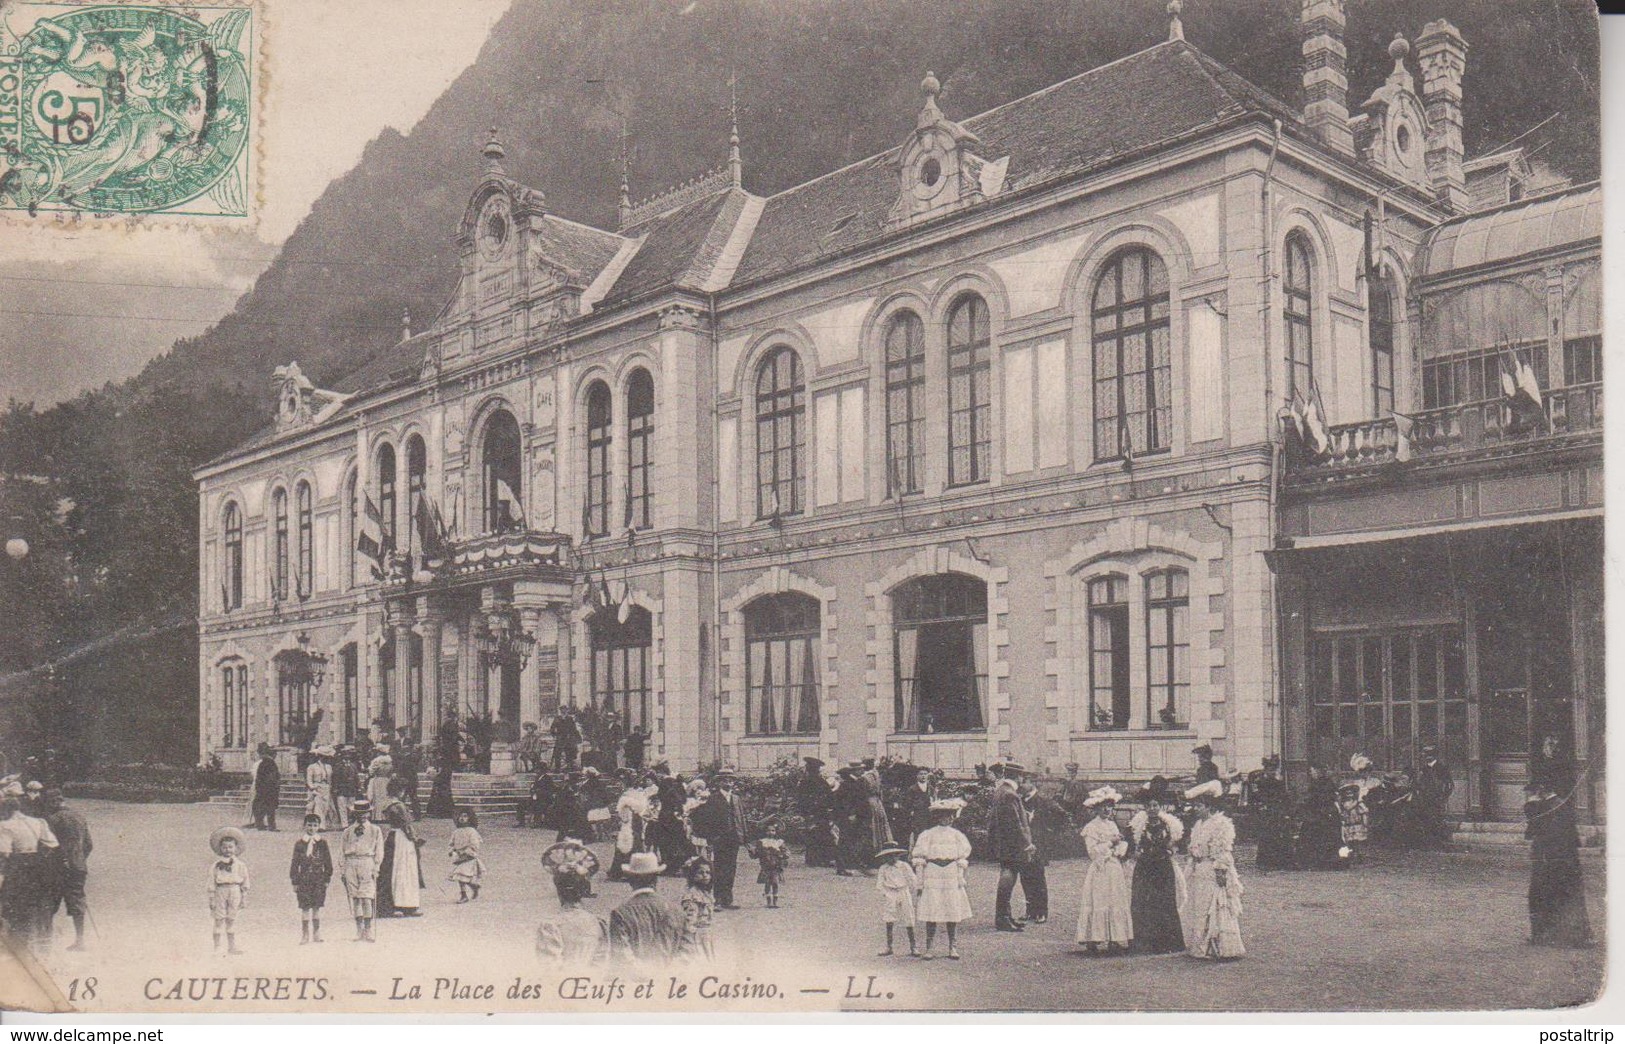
(80, 306)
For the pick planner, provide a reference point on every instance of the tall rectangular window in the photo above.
(1299, 316)
(781, 666)
(1167, 616)
(905, 405)
(1382, 347)
(781, 407)
(1133, 379)
(600, 434)
(970, 392)
(640, 429)
(1108, 653)
(307, 542)
(279, 566)
(231, 725)
(232, 593)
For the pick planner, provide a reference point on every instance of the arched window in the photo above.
(905, 404)
(1382, 346)
(306, 576)
(1133, 360)
(386, 497)
(640, 430)
(1299, 315)
(1167, 640)
(781, 665)
(970, 392)
(352, 505)
(279, 548)
(939, 647)
(503, 485)
(600, 434)
(620, 664)
(234, 704)
(417, 477)
(231, 588)
(781, 405)
(1108, 653)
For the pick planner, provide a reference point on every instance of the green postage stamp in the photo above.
(123, 109)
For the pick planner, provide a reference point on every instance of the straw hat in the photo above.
(1212, 790)
(1359, 762)
(222, 834)
(1101, 796)
(643, 864)
(954, 805)
(323, 751)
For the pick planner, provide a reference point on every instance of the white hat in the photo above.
(948, 805)
(323, 751)
(1102, 795)
(643, 864)
(1211, 789)
(1359, 762)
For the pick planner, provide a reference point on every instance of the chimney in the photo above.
(1442, 53)
(1325, 73)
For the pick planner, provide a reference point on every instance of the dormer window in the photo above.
(938, 170)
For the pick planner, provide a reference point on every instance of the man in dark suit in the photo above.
(1009, 841)
(914, 808)
(406, 761)
(1433, 789)
(267, 789)
(566, 740)
(1051, 825)
(721, 822)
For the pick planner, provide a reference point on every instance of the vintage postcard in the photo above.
(762, 506)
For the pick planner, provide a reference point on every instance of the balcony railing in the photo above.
(1451, 429)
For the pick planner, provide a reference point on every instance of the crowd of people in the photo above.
(45, 846)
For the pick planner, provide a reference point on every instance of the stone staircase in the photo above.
(487, 795)
(1490, 834)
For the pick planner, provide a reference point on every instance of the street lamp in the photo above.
(505, 640)
(315, 663)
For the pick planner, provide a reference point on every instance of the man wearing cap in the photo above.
(646, 929)
(73, 848)
(721, 822)
(267, 792)
(1050, 823)
(1009, 841)
(1433, 789)
(566, 740)
(406, 763)
(1206, 769)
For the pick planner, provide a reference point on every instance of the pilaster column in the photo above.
(562, 625)
(530, 618)
(400, 699)
(430, 624)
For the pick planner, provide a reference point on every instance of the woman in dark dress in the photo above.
(1268, 800)
(1158, 891)
(1320, 838)
(1557, 906)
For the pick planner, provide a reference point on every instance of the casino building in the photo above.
(977, 448)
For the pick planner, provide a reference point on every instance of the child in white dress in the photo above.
(466, 868)
(941, 856)
(897, 884)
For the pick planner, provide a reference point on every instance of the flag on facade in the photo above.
(772, 501)
(1125, 439)
(589, 597)
(623, 604)
(450, 524)
(626, 522)
(1521, 389)
(1403, 426)
(370, 541)
(604, 598)
(431, 529)
(225, 595)
(515, 515)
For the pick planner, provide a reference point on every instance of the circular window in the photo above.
(496, 229)
(931, 172)
(1402, 138)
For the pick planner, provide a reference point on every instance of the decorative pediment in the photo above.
(299, 403)
(1391, 132)
(937, 169)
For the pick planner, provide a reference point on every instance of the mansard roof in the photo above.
(1108, 114)
(679, 249)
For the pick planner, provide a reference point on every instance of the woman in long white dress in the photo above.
(941, 856)
(1213, 908)
(319, 788)
(1105, 918)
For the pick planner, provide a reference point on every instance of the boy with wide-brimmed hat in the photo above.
(228, 885)
(361, 846)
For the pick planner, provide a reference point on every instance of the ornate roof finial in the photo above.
(493, 151)
(1176, 28)
(931, 86)
(406, 323)
(626, 173)
(1399, 48)
(736, 167)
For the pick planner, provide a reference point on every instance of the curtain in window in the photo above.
(795, 681)
(761, 671)
(978, 645)
(908, 669)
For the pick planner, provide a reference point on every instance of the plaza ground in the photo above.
(1436, 930)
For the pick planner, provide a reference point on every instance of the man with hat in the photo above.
(1206, 769)
(529, 742)
(1009, 840)
(361, 850)
(406, 762)
(671, 832)
(71, 854)
(815, 801)
(721, 822)
(1433, 789)
(1051, 827)
(852, 820)
(566, 739)
(646, 929)
(267, 790)
(912, 811)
